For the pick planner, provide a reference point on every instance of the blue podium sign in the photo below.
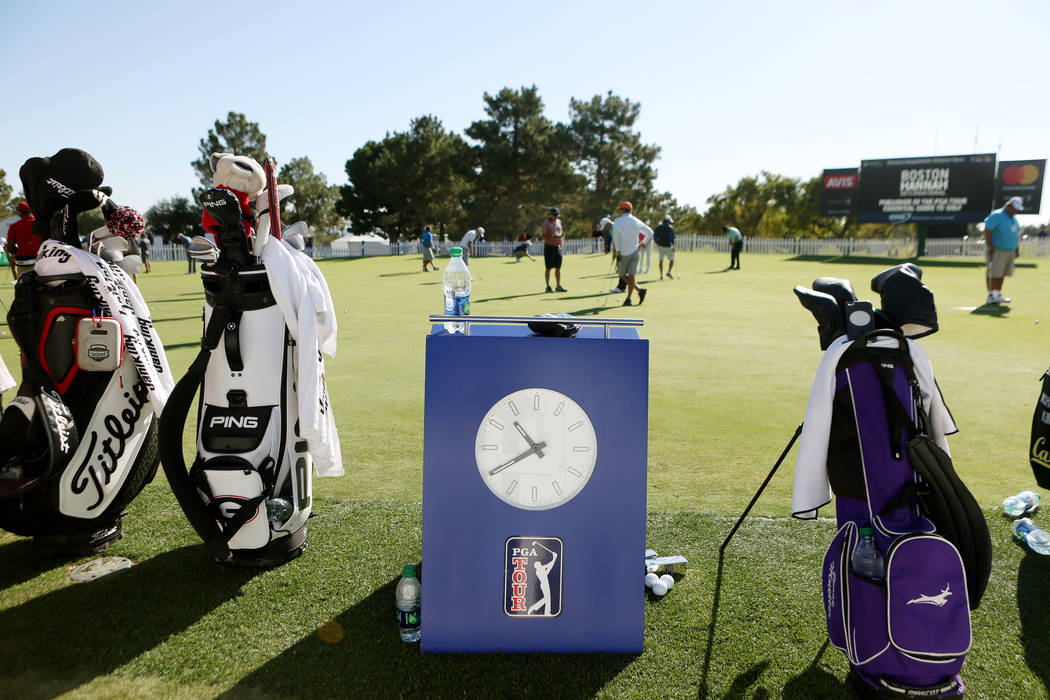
(534, 477)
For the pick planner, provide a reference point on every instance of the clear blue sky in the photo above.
(727, 89)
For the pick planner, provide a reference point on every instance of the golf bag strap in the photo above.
(233, 341)
(172, 424)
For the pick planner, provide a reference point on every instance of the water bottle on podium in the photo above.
(456, 284)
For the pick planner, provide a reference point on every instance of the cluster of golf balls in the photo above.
(659, 585)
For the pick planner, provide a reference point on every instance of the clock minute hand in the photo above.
(535, 449)
(539, 453)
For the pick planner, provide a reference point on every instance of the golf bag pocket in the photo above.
(854, 607)
(235, 493)
(928, 609)
(100, 344)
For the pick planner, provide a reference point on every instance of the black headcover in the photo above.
(906, 301)
(50, 183)
(559, 326)
(831, 323)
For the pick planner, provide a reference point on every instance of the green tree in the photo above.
(755, 205)
(236, 135)
(313, 200)
(407, 180)
(170, 217)
(610, 155)
(7, 202)
(521, 166)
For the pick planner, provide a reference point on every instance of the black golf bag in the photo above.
(79, 440)
(874, 436)
(248, 490)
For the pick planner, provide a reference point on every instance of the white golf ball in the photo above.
(659, 588)
(652, 568)
(668, 580)
(650, 579)
(344, 311)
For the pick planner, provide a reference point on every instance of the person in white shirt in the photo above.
(467, 242)
(625, 236)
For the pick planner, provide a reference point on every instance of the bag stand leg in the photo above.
(798, 431)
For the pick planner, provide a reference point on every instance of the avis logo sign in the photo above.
(532, 578)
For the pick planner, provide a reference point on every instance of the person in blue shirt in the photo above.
(663, 235)
(1001, 230)
(427, 242)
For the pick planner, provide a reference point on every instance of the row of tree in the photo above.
(502, 173)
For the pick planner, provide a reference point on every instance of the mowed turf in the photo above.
(732, 356)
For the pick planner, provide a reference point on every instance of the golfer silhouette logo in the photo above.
(533, 577)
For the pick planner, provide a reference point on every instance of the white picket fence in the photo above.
(891, 248)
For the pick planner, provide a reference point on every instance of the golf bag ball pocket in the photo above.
(927, 608)
(230, 485)
(99, 344)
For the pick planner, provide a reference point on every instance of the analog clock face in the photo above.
(536, 449)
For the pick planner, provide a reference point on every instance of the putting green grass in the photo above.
(732, 356)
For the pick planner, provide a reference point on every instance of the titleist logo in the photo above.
(98, 467)
(60, 188)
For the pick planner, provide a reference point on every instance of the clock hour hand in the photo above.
(539, 453)
(535, 449)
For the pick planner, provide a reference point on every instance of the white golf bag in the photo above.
(248, 491)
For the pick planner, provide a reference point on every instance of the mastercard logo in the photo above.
(1020, 175)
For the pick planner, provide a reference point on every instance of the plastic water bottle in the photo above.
(1022, 504)
(408, 595)
(1037, 540)
(867, 561)
(456, 281)
(278, 509)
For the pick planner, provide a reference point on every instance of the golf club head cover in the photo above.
(825, 308)
(49, 183)
(556, 327)
(906, 300)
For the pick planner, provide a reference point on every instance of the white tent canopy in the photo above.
(362, 243)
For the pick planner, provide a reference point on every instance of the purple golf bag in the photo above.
(876, 423)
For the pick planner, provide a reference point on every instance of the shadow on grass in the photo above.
(816, 682)
(372, 661)
(718, 272)
(178, 318)
(20, 561)
(402, 274)
(177, 346)
(86, 630)
(510, 296)
(885, 260)
(996, 310)
(1033, 590)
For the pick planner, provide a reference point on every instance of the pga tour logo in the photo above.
(533, 577)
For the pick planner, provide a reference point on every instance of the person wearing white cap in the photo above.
(468, 240)
(1001, 230)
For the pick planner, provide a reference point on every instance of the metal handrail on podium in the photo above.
(467, 320)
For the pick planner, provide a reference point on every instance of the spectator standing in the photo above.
(625, 236)
(429, 249)
(1001, 230)
(663, 236)
(22, 244)
(1041, 248)
(736, 244)
(605, 228)
(552, 240)
(191, 263)
(474, 235)
(144, 250)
